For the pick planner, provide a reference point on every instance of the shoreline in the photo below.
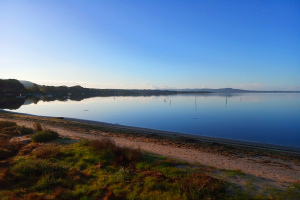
(270, 167)
(200, 138)
(172, 134)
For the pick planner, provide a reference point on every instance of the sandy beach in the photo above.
(269, 169)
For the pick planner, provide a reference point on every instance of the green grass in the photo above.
(234, 173)
(36, 167)
(84, 170)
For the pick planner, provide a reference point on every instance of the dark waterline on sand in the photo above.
(264, 118)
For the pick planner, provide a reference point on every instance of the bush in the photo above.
(4, 136)
(5, 153)
(8, 149)
(102, 144)
(10, 131)
(28, 149)
(11, 128)
(38, 126)
(113, 154)
(22, 130)
(4, 124)
(201, 186)
(48, 151)
(44, 136)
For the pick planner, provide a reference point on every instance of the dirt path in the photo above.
(274, 170)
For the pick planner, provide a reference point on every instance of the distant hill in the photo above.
(225, 90)
(11, 86)
(221, 90)
(27, 84)
(230, 90)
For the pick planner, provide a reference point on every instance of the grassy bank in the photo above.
(93, 170)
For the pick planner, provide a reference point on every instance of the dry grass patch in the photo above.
(115, 155)
(199, 185)
(47, 151)
(27, 149)
(9, 149)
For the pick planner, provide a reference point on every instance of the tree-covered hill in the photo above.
(15, 87)
(11, 86)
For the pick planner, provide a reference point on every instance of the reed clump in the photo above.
(114, 154)
(45, 136)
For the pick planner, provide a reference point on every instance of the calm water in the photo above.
(266, 118)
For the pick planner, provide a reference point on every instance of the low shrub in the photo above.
(8, 149)
(11, 128)
(44, 136)
(28, 149)
(201, 186)
(4, 135)
(4, 124)
(38, 126)
(126, 157)
(22, 130)
(5, 153)
(4, 142)
(113, 154)
(48, 151)
(102, 144)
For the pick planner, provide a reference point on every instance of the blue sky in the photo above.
(152, 44)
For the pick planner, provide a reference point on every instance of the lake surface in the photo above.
(267, 118)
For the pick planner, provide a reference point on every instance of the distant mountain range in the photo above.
(29, 84)
(221, 90)
(230, 90)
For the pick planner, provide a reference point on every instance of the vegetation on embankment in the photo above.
(99, 169)
(11, 86)
(94, 170)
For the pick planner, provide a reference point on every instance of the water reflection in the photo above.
(11, 103)
(270, 118)
(14, 103)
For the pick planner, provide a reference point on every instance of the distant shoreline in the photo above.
(22, 89)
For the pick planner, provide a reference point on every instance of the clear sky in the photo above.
(249, 44)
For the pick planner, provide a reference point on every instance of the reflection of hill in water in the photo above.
(29, 101)
(14, 103)
(11, 103)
